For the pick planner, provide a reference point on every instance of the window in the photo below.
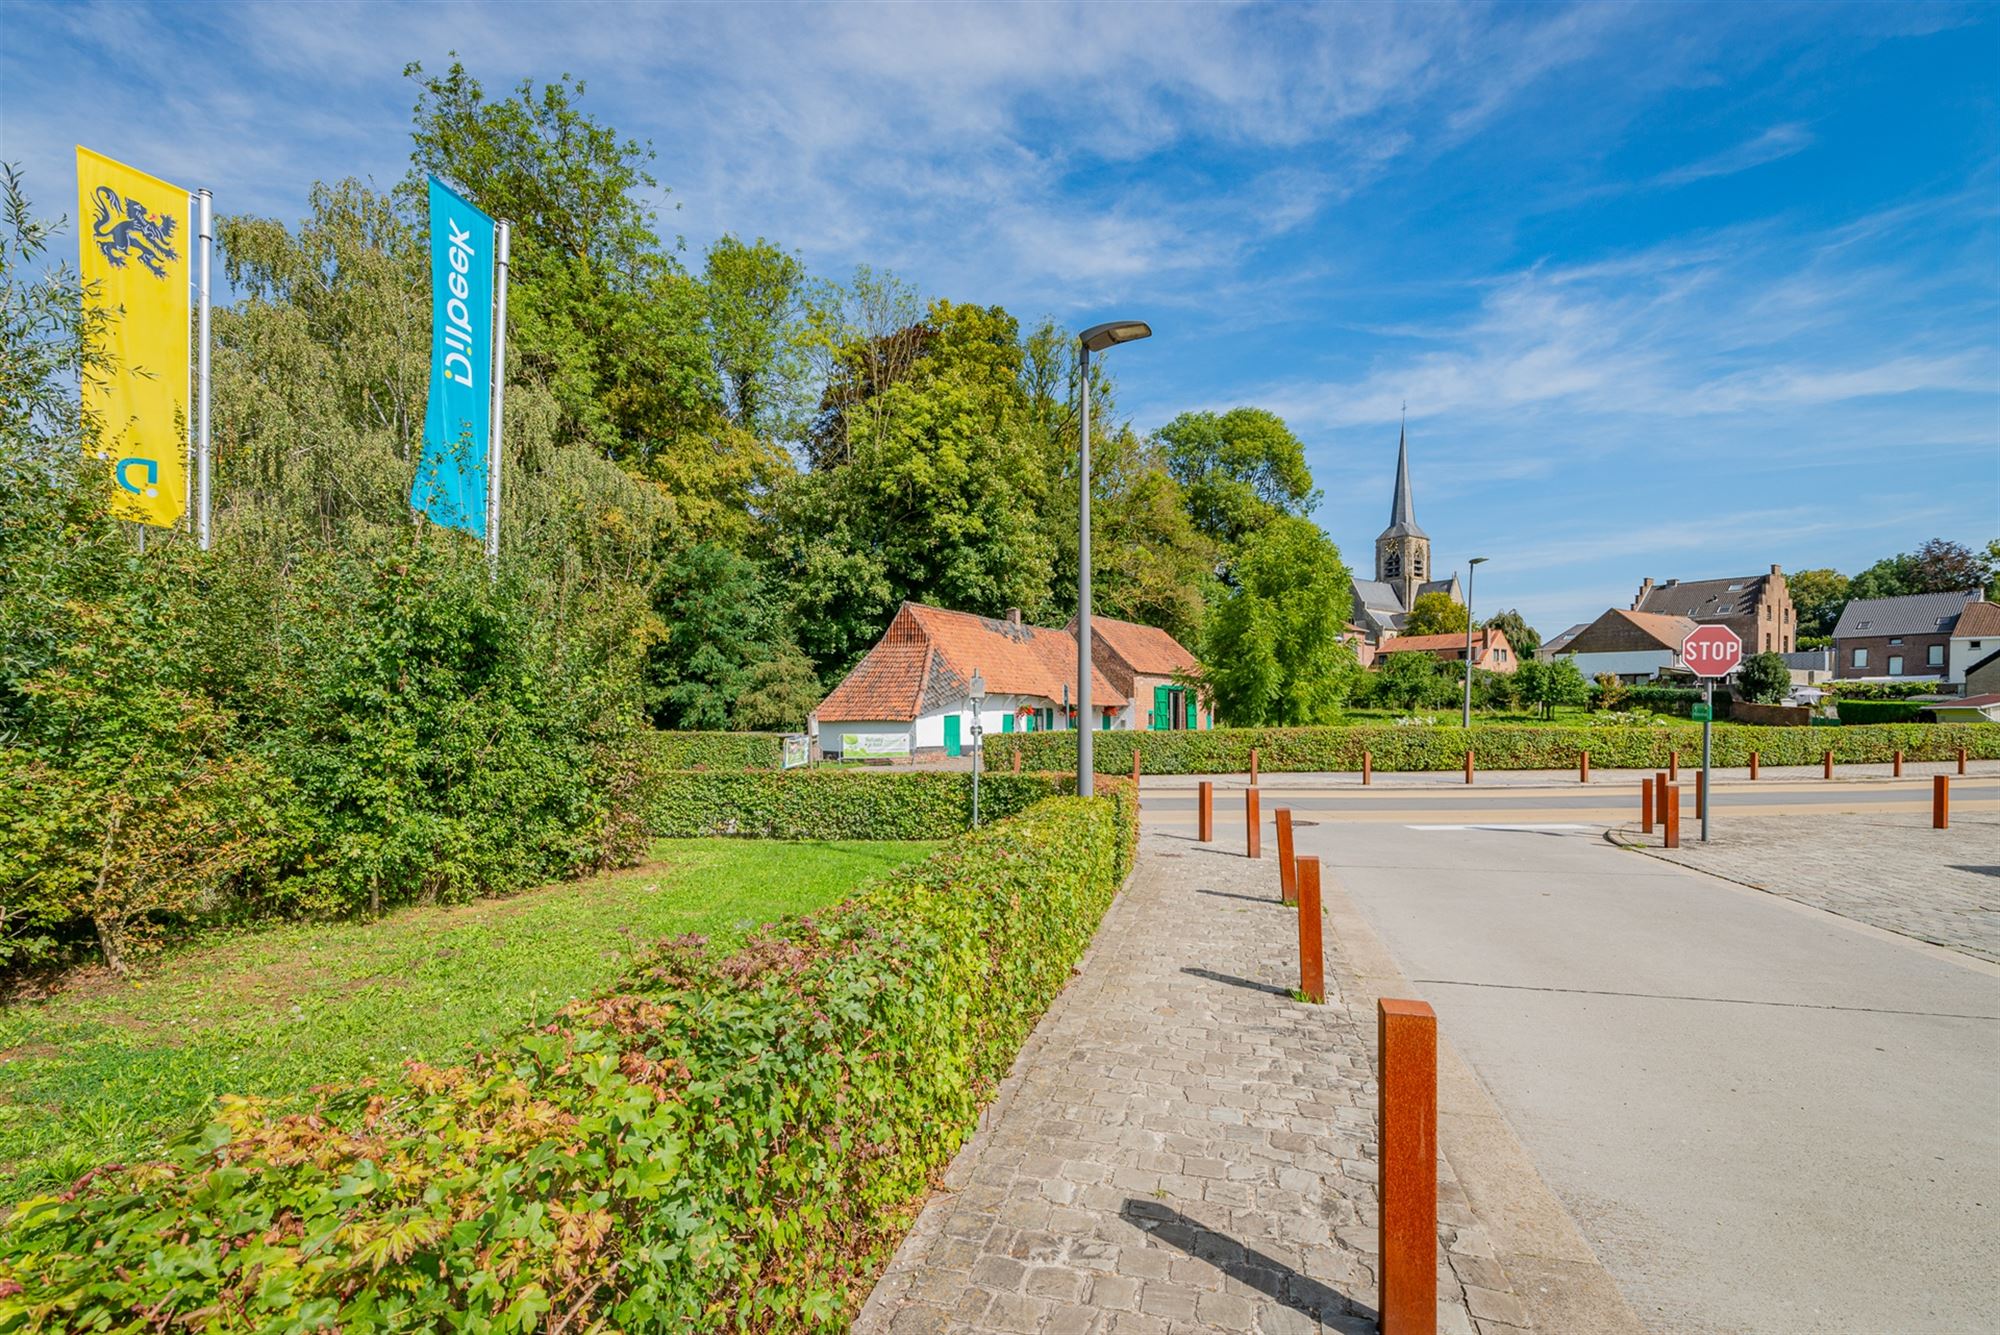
(1863, 625)
(1860, 658)
(1895, 640)
(1973, 643)
(1895, 665)
(1935, 655)
(1724, 610)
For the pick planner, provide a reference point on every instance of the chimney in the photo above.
(1670, 584)
(1775, 570)
(1645, 587)
(1013, 616)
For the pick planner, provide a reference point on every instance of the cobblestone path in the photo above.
(1889, 871)
(1181, 1146)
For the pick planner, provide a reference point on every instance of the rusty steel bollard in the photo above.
(1253, 826)
(1645, 806)
(1673, 816)
(1205, 817)
(1135, 763)
(1583, 767)
(1017, 760)
(1753, 764)
(1961, 760)
(1253, 767)
(1827, 770)
(1468, 764)
(1897, 771)
(1406, 1112)
(1940, 801)
(1700, 793)
(1660, 797)
(1288, 872)
(1367, 768)
(1312, 969)
(1673, 766)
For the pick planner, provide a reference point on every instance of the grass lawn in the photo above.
(105, 1069)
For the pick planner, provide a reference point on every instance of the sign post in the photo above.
(1709, 652)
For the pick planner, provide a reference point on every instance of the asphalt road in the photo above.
(1763, 1118)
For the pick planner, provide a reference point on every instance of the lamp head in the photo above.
(978, 688)
(1101, 336)
(1478, 560)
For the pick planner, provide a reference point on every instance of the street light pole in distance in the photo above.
(1097, 338)
(1471, 569)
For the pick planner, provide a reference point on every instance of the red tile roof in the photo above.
(1430, 644)
(1147, 649)
(926, 658)
(1978, 619)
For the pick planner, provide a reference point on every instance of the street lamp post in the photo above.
(1097, 338)
(1471, 570)
(976, 696)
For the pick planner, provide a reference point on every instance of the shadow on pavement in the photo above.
(1266, 1274)
(1234, 981)
(1248, 899)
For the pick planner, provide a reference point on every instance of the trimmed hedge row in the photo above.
(838, 804)
(1615, 746)
(723, 1144)
(1876, 711)
(715, 750)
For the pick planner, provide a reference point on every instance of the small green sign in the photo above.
(1703, 713)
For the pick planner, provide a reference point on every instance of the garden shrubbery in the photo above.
(1613, 746)
(1863, 711)
(838, 803)
(720, 1144)
(715, 750)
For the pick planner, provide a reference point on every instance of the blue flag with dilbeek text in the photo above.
(450, 485)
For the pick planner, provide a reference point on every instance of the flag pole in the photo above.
(493, 450)
(203, 491)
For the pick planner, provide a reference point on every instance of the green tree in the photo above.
(1241, 470)
(1890, 577)
(1817, 597)
(778, 693)
(1436, 614)
(1271, 650)
(757, 333)
(1415, 680)
(1764, 678)
(1546, 685)
(1943, 566)
(711, 602)
(1524, 638)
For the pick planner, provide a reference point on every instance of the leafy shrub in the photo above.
(1764, 679)
(1877, 711)
(1227, 750)
(839, 803)
(715, 750)
(721, 1144)
(1877, 690)
(1677, 700)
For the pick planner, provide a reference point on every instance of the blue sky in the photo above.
(1671, 290)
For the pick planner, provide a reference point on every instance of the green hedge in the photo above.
(716, 750)
(838, 803)
(723, 1144)
(1613, 746)
(1876, 711)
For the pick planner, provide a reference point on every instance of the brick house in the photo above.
(907, 695)
(1490, 649)
(1907, 638)
(1757, 607)
(1148, 667)
(1631, 646)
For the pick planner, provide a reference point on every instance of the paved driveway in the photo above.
(1763, 1117)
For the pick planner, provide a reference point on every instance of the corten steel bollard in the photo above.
(1288, 872)
(1897, 771)
(1961, 760)
(1368, 767)
(1827, 767)
(1253, 826)
(1135, 764)
(1645, 806)
(1406, 1110)
(1583, 767)
(1468, 764)
(1700, 793)
(1312, 969)
(1017, 761)
(1753, 764)
(1673, 767)
(1940, 801)
(1660, 797)
(1253, 767)
(1672, 816)
(1205, 819)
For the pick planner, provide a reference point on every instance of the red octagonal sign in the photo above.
(1711, 651)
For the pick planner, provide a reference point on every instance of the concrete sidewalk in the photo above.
(1181, 1146)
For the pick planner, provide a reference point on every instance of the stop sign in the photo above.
(1711, 651)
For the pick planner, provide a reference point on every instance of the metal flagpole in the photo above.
(493, 451)
(203, 490)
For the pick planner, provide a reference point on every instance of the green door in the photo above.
(1190, 711)
(951, 734)
(1162, 710)
(1007, 721)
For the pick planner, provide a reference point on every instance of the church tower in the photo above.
(1403, 552)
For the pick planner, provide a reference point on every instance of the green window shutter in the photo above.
(1007, 721)
(1190, 711)
(1161, 722)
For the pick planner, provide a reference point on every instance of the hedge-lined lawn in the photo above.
(102, 1069)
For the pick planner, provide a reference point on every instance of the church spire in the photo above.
(1402, 511)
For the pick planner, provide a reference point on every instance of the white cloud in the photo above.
(1780, 141)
